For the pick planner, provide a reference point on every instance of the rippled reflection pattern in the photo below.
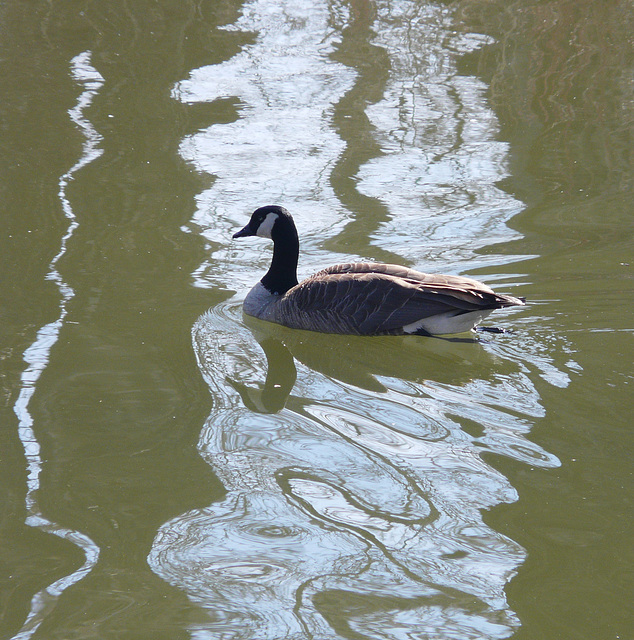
(441, 160)
(353, 467)
(37, 358)
(349, 506)
(286, 86)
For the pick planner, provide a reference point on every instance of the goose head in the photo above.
(267, 222)
(275, 223)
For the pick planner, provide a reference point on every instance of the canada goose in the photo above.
(362, 298)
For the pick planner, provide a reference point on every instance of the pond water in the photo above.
(173, 468)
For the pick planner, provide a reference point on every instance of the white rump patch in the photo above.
(445, 323)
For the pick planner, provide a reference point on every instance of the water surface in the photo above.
(174, 468)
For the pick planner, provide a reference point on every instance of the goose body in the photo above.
(362, 298)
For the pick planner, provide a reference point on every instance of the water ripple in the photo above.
(286, 85)
(353, 467)
(37, 358)
(441, 161)
(345, 488)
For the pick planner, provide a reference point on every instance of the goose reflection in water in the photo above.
(354, 360)
(354, 486)
(281, 374)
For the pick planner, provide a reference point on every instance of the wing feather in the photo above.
(368, 298)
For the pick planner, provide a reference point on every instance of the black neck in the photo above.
(282, 274)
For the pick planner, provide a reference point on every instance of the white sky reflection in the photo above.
(37, 359)
(354, 492)
(442, 156)
(281, 149)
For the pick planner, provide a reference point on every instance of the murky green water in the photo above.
(172, 469)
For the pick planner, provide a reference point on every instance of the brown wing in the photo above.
(398, 271)
(368, 298)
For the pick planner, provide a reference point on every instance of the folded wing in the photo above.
(368, 298)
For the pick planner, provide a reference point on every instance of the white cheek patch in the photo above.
(266, 226)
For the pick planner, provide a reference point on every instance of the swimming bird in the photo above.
(361, 298)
